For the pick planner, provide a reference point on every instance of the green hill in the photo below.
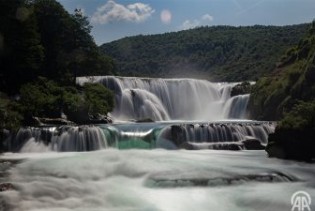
(288, 95)
(291, 81)
(219, 53)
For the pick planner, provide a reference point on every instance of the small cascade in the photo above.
(60, 139)
(217, 135)
(171, 99)
(227, 135)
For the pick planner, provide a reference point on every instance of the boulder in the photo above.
(252, 144)
(292, 144)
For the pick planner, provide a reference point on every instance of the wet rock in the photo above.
(144, 120)
(292, 144)
(6, 187)
(241, 89)
(177, 134)
(99, 119)
(51, 121)
(253, 144)
(233, 146)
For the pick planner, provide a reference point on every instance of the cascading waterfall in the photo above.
(166, 135)
(189, 113)
(216, 135)
(61, 139)
(171, 99)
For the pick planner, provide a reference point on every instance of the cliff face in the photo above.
(292, 80)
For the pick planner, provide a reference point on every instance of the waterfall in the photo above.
(216, 135)
(60, 139)
(171, 99)
(188, 113)
(168, 135)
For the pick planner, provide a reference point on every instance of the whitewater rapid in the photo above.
(155, 180)
(171, 99)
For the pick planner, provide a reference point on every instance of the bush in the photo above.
(294, 137)
(98, 99)
(41, 98)
(45, 98)
(9, 117)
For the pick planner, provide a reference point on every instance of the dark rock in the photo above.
(233, 146)
(6, 187)
(144, 120)
(253, 144)
(187, 145)
(177, 134)
(292, 144)
(99, 119)
(241, 89)
(51, 121)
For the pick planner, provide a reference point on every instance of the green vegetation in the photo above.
(218, 53)
(9, 118)
(288, 94)
(290, 82)
(295, 135)
(40, 40)
(46, 98)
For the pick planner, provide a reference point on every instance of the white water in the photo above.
(62, 139)
(126, 180)
(166, 135)
(171, 99)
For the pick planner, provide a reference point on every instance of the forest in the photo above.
(43, 49)
(216, 53)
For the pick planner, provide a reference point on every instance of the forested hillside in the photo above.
(40, 38)
(288, 95)
(292, 80)
(42, 50)
(219, 53)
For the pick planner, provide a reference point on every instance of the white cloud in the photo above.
(188, 24)
(112, 11)
(206, 19)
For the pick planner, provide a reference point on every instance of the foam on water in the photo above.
(122, 180)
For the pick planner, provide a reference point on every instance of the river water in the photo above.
(154, 180)
(128, 166)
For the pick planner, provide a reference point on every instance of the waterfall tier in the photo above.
(171, 99)
(231, 135)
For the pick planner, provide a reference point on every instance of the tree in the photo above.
(21, 53)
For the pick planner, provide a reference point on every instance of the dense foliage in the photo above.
(46, 98)
(295, 135)
(288, 94)
(220, 53)
(9, 117)
(290, 82)
(40, 40)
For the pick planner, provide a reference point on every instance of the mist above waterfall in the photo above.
(171, 99)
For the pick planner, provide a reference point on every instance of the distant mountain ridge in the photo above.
(217, 53)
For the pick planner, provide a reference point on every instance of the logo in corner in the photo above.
(301, 201)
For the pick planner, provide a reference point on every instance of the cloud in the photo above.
(206, 19)
(166, 16)
(112, 11)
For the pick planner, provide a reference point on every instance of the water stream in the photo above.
(199, 153)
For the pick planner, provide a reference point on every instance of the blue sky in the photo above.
(115, 19)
